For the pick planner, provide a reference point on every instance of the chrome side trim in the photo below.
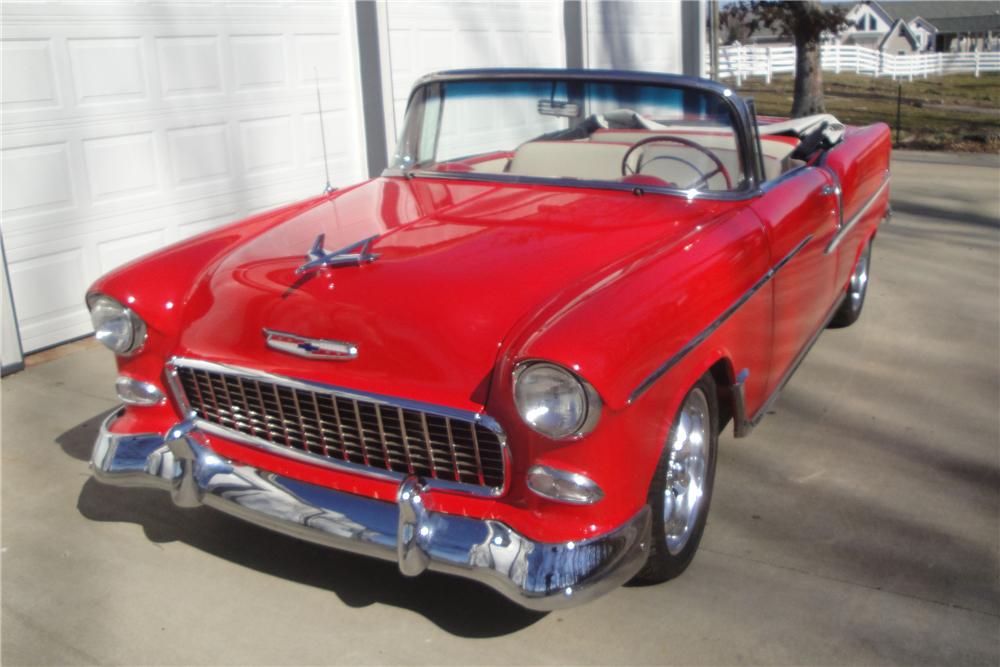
(350, 394)
(537, 575)
(718, 322)
(846, 228)
(741, 424)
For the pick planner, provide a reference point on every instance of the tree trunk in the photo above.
(808, 79)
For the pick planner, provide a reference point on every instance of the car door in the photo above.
(800, 215)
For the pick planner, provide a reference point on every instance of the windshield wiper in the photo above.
(319, 258)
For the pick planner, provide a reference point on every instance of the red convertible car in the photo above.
(509, 357)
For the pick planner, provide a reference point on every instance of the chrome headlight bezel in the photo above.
(125, 344)
(588, 398)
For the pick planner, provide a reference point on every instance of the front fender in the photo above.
(622, 329)
(628, 324)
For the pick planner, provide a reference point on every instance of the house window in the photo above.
(871, 22)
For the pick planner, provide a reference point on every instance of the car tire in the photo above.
(854, 298)
(680, 492)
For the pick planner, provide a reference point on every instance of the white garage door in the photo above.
(129, 125)
(643, 36)
(433, 36)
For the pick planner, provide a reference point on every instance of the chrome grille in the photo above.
(341, 426)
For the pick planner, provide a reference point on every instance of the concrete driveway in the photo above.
(859, 524)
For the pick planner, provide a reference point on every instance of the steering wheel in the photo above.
(719, 167)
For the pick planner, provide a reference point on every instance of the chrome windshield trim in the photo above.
(651, 379)
(856, 218)
(742, 123)
(351, 394)
(510, 179)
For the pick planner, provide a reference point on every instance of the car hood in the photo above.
(460, 265)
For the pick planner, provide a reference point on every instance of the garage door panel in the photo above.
(132, 125)
(29, 81)
(199, 154)
(48, 284)
(340, 144)
(108, 70)
(258, 62)
(189, 65)
(317, 56)
(266, 145)
(428, 37)
(36, 178)
(634, 35)
(122, 166)
(116, 252)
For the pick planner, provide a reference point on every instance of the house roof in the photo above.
(899, 25)
(946, 16)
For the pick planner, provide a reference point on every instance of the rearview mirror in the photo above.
(556, 108)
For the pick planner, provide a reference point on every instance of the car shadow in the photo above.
(463, 608)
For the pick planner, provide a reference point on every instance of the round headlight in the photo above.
(554, 401)
(118, 327)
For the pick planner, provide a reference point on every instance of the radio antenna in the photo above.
(322, 133)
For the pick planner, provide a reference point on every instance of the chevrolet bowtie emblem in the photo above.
(311, 348)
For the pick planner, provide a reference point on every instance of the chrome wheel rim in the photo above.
(687, 472)
(859, 281)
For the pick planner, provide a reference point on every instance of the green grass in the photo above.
(953, 112)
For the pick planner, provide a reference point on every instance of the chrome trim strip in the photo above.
(719, 321)
(846, 228)
(538, 575)
(445, 412)
(513, 179)
(741, 424)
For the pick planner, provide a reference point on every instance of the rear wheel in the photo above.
(681, 489)
(850, 308)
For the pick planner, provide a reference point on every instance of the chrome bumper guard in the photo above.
(537, 575)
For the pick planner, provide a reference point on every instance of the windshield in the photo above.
(616, 132)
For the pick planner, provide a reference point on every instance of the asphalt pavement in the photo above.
(860, 523)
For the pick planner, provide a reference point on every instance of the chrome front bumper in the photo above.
(537, 575)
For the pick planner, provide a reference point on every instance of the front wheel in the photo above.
(850, 308)
(681, 489)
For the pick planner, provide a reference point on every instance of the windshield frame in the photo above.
(742, 117)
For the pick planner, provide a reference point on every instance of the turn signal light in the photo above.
(137, 392)
(566, 487)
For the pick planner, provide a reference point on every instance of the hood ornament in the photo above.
(311, 348)
(319, 258)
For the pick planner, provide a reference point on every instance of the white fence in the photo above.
(742, 62)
